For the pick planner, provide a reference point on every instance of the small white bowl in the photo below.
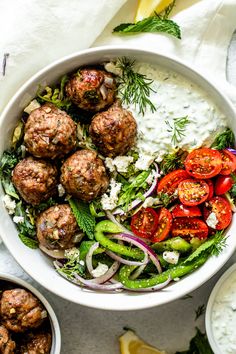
(218, 288)
(56, 332)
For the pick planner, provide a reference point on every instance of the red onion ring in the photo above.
(89, 256)
(140, 244)
(111, 217)
(126, 261)
(136, 202)
(153, 288)
(233, 151)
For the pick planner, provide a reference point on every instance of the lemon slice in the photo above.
(132, 344)
(147, 7)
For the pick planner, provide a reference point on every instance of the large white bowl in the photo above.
(39, 266)
(56, 333)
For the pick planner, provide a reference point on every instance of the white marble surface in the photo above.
(89, 331)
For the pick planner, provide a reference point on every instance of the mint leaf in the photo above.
(150, 24)
(29, 242)
(84, 218)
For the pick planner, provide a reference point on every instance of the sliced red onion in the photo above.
(88, 283)
(103, 91)
(58, 254)
(78, 237)
(89, 257)
(126, 261)
(231, 150)
(140, 244)
(113, 219)
(136, 202)
(108, 275)
(108, 81)
(152, 288)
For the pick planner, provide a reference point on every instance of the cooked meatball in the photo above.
(35, 180)
(36, 343)
(84, 175)
(7, 346)
(49, 132)
(92, 89)
(56, 227)
(20, 310)
(113, 131)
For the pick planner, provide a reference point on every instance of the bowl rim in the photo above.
(210, 303)
(56, 332)
(115, 50)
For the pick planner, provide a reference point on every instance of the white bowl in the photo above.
(218, 288)
(56, 333)
(39, 266)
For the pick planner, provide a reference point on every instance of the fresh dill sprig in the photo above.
(165, 199)
(133, 87)
(168, 10)
(200, 311)
(224, 140)
(173, 161)
(178, 128)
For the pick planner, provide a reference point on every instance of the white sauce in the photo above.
(224, 316)
(175, 97)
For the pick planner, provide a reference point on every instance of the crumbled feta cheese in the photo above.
(112, 68)
(109, 164)
(171, 257)
(150, 201)
(18, 219)
(33, 105)
(109, 201)
(61, 190)
(119, 163)
(152, 176)
(72, 253)
(212, 220)
(143, 162)
(10, 204)
(100, 270)
(81, 262)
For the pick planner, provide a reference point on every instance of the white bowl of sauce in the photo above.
(220, 317)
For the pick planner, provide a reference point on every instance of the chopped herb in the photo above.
(224, 140)
(173, 161)
(198, 345)
(84, 218)
(72, 265)
(91, 95)
(178, 129)
(84, 138)
(134, 88)
(169, 9)
(165, 198)
(27, 230)
(200, 311)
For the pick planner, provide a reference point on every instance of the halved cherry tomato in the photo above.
(222, 210)
(211, 188)
(144, 222)
(164, 225)
(229, 162)
(193, 191)
(203, 163)
(223, 184)
(182, 210)
(169, 183)
(189, 228)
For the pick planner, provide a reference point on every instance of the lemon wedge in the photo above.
(147, 7)
(132, 344)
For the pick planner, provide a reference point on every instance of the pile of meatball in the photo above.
(24, 323)
(50, 138)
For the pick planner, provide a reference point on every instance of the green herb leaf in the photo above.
(84, 218)
(152, 24)
(173, 161)
(178, 128)
(200, 311)
(198, 345)
(72, 266)
(134, 88)
(29, 242)
(224, 140)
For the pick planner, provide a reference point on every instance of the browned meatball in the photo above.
(21, 310)
(84, 175)
(36, 343)
(56, 227)
(92, 89)
(35, 180)
(113, 131)
(49, 132)
(7, 346)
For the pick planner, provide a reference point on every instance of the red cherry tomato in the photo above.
(193, 192)
(211, 188)
(229, 162)
(169, 183)
(164, 226)
(144, 222)
(222, 210)
(189, 228)
(203, 163)
(182, 210)
(223, 184)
